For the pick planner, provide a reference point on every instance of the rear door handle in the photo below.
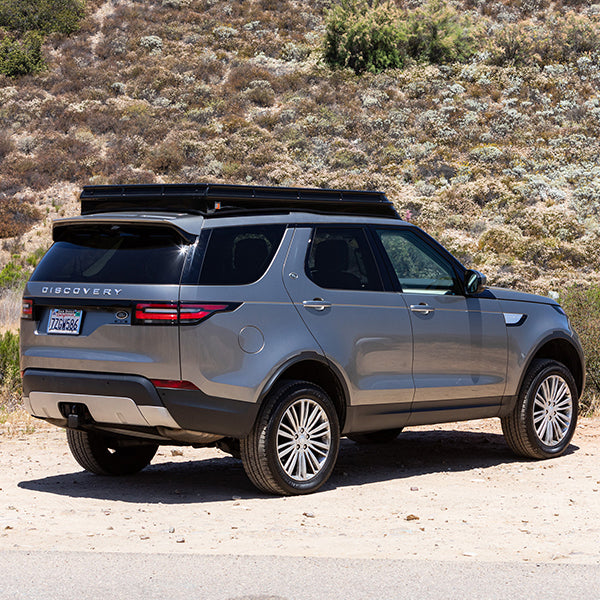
(317, 304)
(422, 308)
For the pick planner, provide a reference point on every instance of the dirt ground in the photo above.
(442, 492)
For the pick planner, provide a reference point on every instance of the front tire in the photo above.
(102, 455)
(294, 444)
(543, 421)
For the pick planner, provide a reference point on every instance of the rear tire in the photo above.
(102, 455)
(544, 418)
(385, 436)
(294, 443)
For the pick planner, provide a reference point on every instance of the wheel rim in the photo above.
(552, 410)
(303, 439)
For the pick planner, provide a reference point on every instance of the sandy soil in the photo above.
(440, 492)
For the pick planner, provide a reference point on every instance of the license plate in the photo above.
(65, 321)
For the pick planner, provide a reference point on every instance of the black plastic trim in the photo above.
(195, 410)
(376, 417)
(541, 344)
(136, 387)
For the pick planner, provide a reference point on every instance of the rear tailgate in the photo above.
(105, 299)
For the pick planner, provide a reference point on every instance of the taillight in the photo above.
(173, 384)
(156, 312)
(197, 312)
(27, 309)
(184, 313)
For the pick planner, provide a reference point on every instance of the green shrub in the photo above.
(46, 16)
(21, 57)
(10, 375)
(377, 36)
(583, 307)
(365, 37)
(13, 275)
(438, 33)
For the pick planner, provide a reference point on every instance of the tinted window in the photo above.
(417, 265)
(341, 258)
(239, 255)
(114, 254)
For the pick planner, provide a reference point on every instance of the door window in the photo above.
(341, 258)
(418, 267)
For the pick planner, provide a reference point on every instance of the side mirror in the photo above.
(474, 282)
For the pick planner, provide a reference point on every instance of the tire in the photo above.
(100, 454)
(231, 446)
(545, 415)
(384, 436)
(294, 443)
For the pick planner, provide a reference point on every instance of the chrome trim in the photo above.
(514, 319)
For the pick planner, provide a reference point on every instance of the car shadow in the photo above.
(217, 479)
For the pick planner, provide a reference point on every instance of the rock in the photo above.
(309, 515)
(412, 517)
(176, 452)
(171, 529)
(180, 540)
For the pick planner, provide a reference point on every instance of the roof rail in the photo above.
(211, 199)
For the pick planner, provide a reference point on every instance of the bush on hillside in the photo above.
(562, 39)
(379, 35)
(46, 16)
(13, 275)
(364, 37)
(21, 57)
(439, 34)
(16, 216)
(10, 376)
(583, 307)
(29, 21)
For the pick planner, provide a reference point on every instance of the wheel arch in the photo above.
(316, 369)
(563, 350)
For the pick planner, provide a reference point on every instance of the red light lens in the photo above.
(172, 313)
(197, 312)
(173, 384)
(151, 312)
(27, 309)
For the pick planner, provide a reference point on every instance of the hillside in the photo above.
(499, 162)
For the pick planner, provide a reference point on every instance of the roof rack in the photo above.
(211, 199)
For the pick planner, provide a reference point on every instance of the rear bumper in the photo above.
(132, 401)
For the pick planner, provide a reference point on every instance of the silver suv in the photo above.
(272, 321)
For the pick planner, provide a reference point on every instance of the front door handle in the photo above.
(317, 304)
(422, 308)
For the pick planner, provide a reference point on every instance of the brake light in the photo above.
(27, 309)
(156, 312)
(173, 384)
(172, 313)
(198, 312)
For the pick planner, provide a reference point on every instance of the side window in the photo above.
(239, 255)
(419, 268)
(341, 258)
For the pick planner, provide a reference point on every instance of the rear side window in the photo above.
(341, 258)
(114, 254)
(239, 255)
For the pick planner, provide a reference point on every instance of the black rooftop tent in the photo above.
(211, 199)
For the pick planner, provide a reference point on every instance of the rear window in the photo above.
(114, 254)
(239, 255)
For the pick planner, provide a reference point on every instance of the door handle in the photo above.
(422, 308)
(317, 304)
